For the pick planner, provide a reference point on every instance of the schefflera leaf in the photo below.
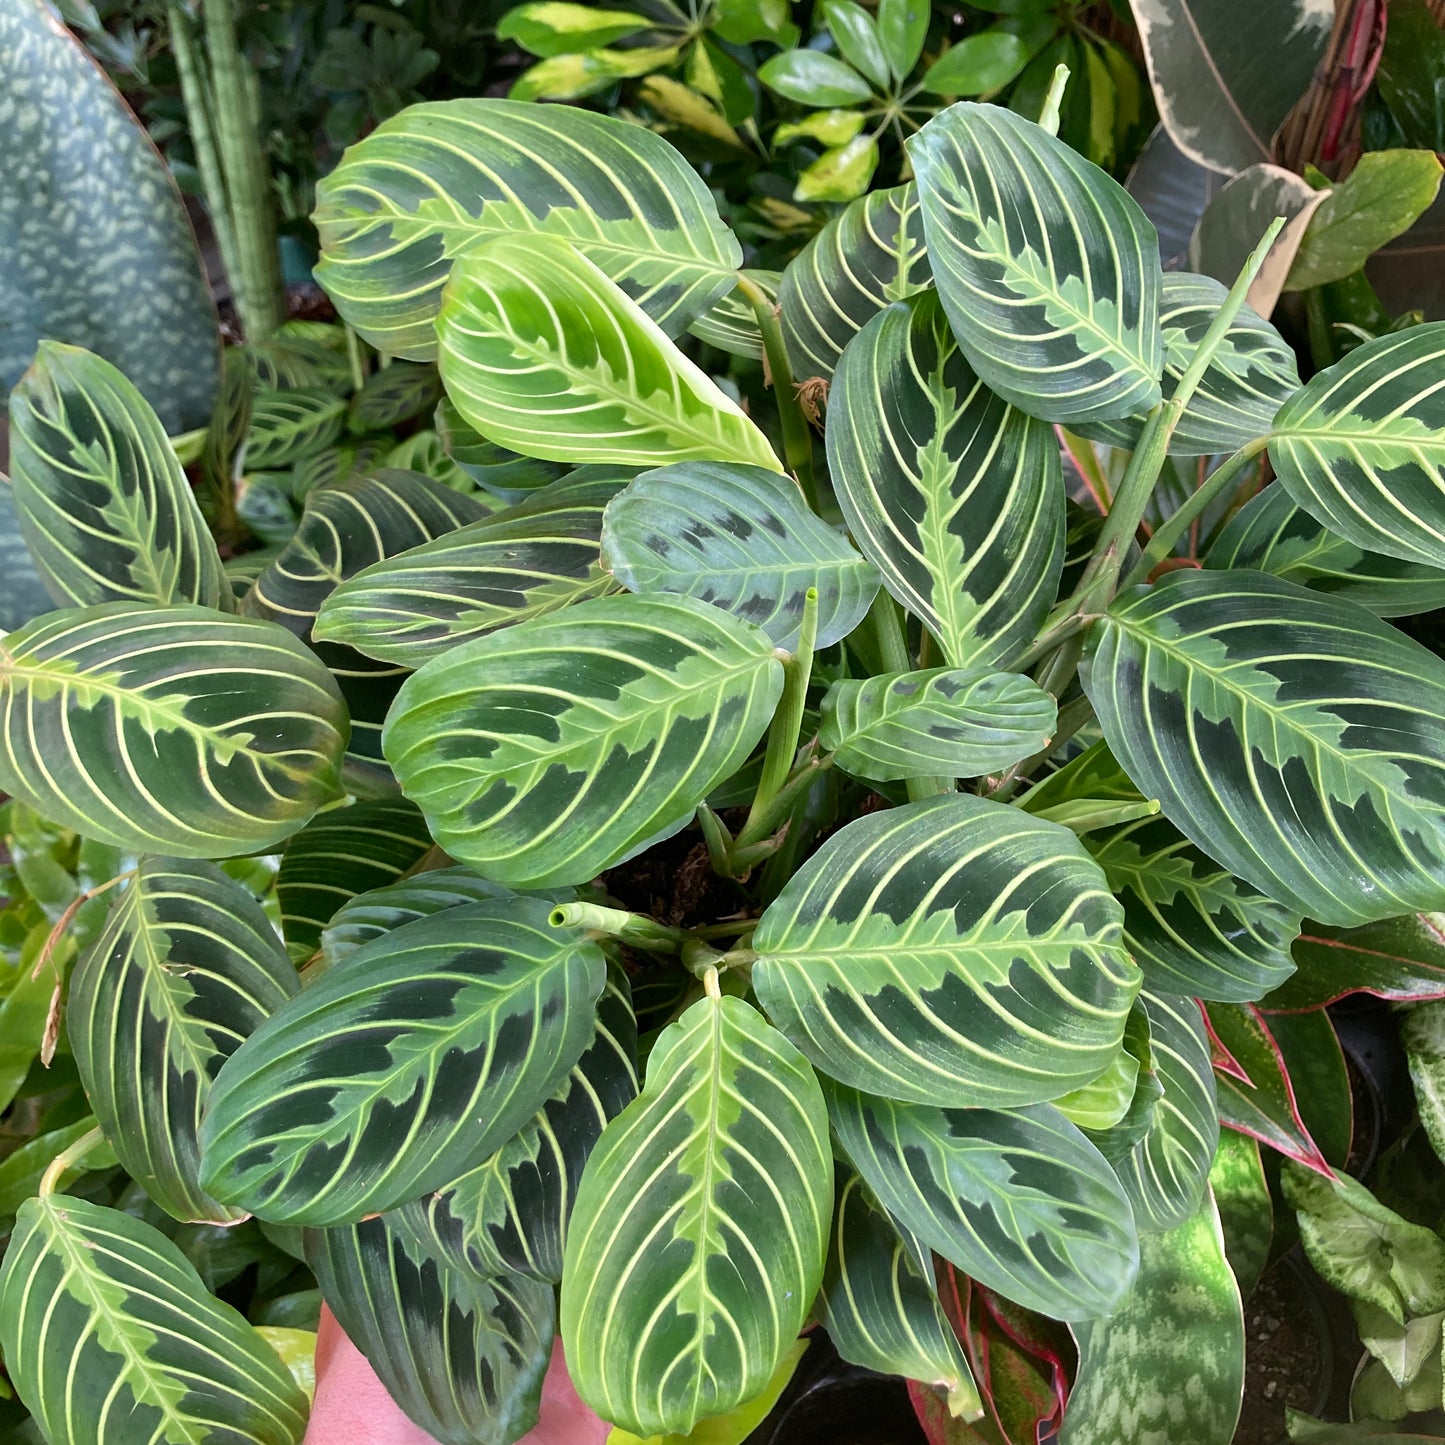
(187, 966)
(955, 496)
(1019, 1199)
(405, 1065)
(462, 1356)
(551, 750)
(1293, 737)
(699, 1234)
(741, 538)
(171, 730)
(542, 353)
(948, 722)
(953, 951)
(1047, 268)
(110, 1335)
(103, 504)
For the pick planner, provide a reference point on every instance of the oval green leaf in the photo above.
(812, 78)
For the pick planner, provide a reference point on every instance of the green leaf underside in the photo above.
(956, 497)
(741, 538)
(1018, 1199)
(173, 730)
(1286, 699)
(1362, 446)
(1251, 376)
(700, 1230)
(542, 353)
(102, 502)
(1169, 1365)
(402, 1067)
(1397, 958)
(551, 750)
(442, 179)
(186, 968)
(1047, 268)
(951, 951)
(109, 1334)
(944, 722)
(463, 1357)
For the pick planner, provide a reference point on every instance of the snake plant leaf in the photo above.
(1246, 1210)
(1166, 1172)
(1018, 1198)
(1168, 1364)
(869, 256)
(172, 730)
(542, 353)
(442, 179)
(392, 395)
(955, 496)
(23, 594)
(510, 1214)
(943, 722)
(879, 1302)
(1401, 959)
(102, 502)
(97, 248)
(1270, 534)
(731, 324)
(402, 1067)
(1362, 446)
(462, 1357)
(741, 538)
(701, 1225)
(1251, 376)
(953, 951)
(1422, 1031)
(534, 558)
(340, 854)
(1314, 766)
(289, 425)
(1192, 927)
(1047, 268)
(110, 1336)
(187, 966)
(551, 750)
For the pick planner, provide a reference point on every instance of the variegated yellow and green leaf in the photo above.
(443, 179)
(289, 425)
(953, 951)
(402, 1067)
(700, 1229)
(392, 395)
(955, 496)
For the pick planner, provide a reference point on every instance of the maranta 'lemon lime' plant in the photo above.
(992, 825)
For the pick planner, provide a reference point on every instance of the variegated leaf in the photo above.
(1246, 1209)
(730, 323)
(503, 473)
(392, 395)
(955, 496)
(954, 951)
(288, 425)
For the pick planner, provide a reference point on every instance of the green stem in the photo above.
(768, 819)
(357, 357)
(67, 1159)
(787, 724)
(636, 928)
(1053, 101)
(797, 434)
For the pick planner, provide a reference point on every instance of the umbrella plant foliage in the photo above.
(990, 830)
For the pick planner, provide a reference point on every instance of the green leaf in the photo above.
(110, 1336)
(168, 729)
(392, 395)
(98, 251)
(740, 22)
(441, 179)
(344, 462)
(538, 557)
(1398, 958)
(938, 723)
(1019, 1199)
(1422, 1031)
(731, 325)
(870, 255)
(570, 77)
(503, 473)
(680, 104)
(1270, 534)
(880, 1306)
(23, 594)
(1168, 1364)
(954, 495)
(555, 27)
(978, 64)
(829, 127)
(1251, 376)
(614, 718)
(1313, 1059)
(953, 951)
(1305, 1430)
(1047, 268)
(463, 1358)
(742, 539)
(902, 29)
(840, 175)
(814, 79)
(289, 425)
(700, 1230)
(187, 967)
(264, 506)
(24, 1168)
(102, 502)
(1246, 1211)
(1362, 446)
(541, 353)
(1314, 763)
(1380, 199)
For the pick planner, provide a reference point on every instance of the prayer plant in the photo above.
(991, 802)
